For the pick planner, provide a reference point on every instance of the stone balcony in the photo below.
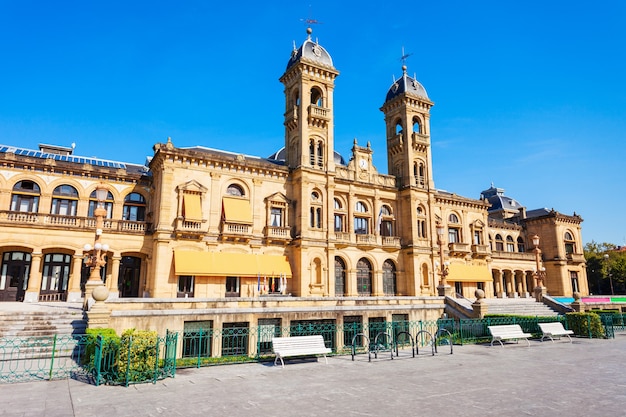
(73, 223)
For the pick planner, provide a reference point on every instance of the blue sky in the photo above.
(528, 95)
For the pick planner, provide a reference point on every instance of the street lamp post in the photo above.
(608, 266)
(96, 255)
(443, 289)
(540, 271)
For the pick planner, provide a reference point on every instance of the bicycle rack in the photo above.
(432, 344)
(369, 354)
(449, 338)
(412, 343)
(377, 345)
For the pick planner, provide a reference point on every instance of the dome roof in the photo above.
(499, 201)
(312, 52)
(280, 155)
(406, 84)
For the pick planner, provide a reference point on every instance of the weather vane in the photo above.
(404, 57)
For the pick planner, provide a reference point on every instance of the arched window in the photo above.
(570, 243)
(340, 217)
(316, 97)
(364, 277)
(64, 200)
(421, 223)
(295, 97)
(320, 154)
(399, 128)
(416, 125)
(361, 220)
(419, 171)
(340, 277)
(316, 210)
(499, 243)
(385, 221)
(93, 203)
(311, 152)
(134, 207)
(510, 244)
(236, 190)
(521, 247)
(454, 229)
(389, 278)
(25, 197)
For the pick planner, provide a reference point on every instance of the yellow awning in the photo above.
(230, 264)
(192, 208)
(237, 210)
(469, 273)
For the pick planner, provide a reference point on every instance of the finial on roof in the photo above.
(308, 32)
(355, 140)
(404, 69)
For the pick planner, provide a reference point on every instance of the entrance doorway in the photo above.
(130, 272)
(14, 275)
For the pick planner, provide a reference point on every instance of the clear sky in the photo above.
(528, 95)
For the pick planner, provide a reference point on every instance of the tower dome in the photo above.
(310, 51)
(406, 84)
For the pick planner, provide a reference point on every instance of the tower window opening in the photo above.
(316, 97)
(416, 125)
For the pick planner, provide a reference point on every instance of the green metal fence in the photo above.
(134, 359)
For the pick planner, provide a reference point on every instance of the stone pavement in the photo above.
(584, 378)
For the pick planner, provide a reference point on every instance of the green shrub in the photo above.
(111, 341)
(585, 324)
(137, 358)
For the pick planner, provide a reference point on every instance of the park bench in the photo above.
(298, 346)
(554, 329)
(508, 332)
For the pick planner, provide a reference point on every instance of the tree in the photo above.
(606, 268)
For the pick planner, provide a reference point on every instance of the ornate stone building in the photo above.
(304, 222)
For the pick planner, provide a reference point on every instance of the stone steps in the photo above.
(519, 306)
(39, 324)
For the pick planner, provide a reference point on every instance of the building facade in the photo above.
(303, 224)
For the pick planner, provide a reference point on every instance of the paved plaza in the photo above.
(583, 378)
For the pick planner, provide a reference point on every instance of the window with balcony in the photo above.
(134, 208)
(416, 125)
(385, 220)
(93, 204)
(510, 244)
(64, 200)
(521, 247)
(340, 216)
(25, 197)
(454, 229)
(361, 219)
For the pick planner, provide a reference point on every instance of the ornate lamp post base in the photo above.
(539, 291)
(444, 290)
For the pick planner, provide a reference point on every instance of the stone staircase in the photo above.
(41, 320)
(518, 306)
(34, 332)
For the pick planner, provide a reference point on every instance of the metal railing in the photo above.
(128, 360)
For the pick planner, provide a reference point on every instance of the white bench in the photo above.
(554, 329)
(508, 332)
(298, 346)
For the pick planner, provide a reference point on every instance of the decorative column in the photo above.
(540, 271)
(34, 279)
(74, 292)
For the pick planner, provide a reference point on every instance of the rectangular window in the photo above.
(478, 238)
(235, 339)
(276, 217)
(574, 277)
(339, 223)
(352, 325)
(268, 328)
(361, 226)
(453, 235)
(197, 339)
(185, 286)
(232, 286)
(386, 228)
(510, 247)
(569, 248)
